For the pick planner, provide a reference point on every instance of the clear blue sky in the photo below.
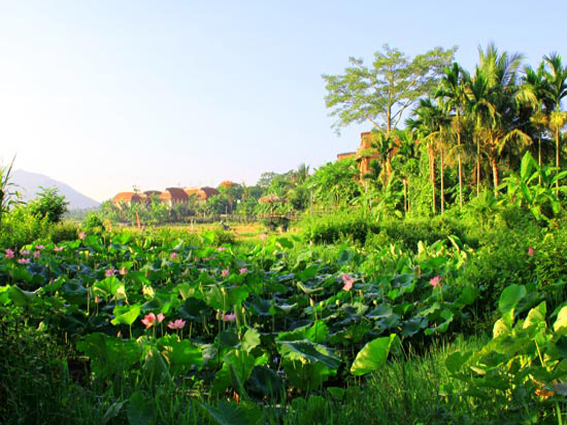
(107, 94)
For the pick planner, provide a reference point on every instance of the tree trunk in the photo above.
(539, 157)
(405, 196)
(494, 175)
(557, 158)
(442, 195)
(460, 169)
(477, 167)
(432, 179)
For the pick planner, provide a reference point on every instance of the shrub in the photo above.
(49, 204)
(21, 227)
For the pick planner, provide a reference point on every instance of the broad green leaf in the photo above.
(307, 350)
(456, 361)
(536, 316)
(510, 298)
(372, 356)
(560, 324)
(250, 340)
(125, 315)
(20, 297)
(266, 382)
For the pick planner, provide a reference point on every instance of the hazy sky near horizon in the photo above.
(107, 94)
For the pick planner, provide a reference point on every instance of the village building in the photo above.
(363, 155)
(174, 196)
(128, 199)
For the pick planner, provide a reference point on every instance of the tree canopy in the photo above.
(382, 92)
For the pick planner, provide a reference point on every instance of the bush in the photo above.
(49, 204)
(65, 231)
(21, 227)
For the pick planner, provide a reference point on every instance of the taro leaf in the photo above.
(125, 315)
(510, 298)
(414, 325)
(265, 382)
(372, 356)
(237, 384)
(110, 287)
(560, 325)
(141, 409)
(501, 327)
(307, 350)
(182, 355)
(536, 316)
(306, 290)
(20, 297)
(185, 290)
(250, 340)
(112, 411)
(121, 238)
(318, 332)
(230, 413)
(456, 361)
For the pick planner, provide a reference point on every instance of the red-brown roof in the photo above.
(128, 196)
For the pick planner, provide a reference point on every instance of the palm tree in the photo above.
(453, 91)
(533, 92)
(556, 78)
(431, 124)
(499, 100)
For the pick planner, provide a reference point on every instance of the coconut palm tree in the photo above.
(500, 103)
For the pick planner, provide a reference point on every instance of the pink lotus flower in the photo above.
(36, 254)
(39, 247)
(221, 249)
(123, 271)
(58, 249)
(348, 281)
(82, 235)
(178, 324)
(229, 317)
(23, 260)
(243, 270)
(160, 317)
(9, 253)
(173, 255)
(225, 273)
(110, 272)
(25, 252)
(436, 281)
(531, 251)
(263, 236)
(149, 320)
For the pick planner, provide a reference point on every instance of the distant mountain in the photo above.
(29, 183)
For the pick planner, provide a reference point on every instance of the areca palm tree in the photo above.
(453, 90)
(431, 124)
(533, 92)
(556, 78)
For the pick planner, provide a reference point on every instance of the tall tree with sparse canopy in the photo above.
(382, 92)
